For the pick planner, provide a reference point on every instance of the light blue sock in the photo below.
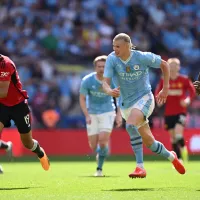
(103, 153)
(159, 148)
(136, 142)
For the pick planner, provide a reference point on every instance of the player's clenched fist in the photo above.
(114, 92)
(197, 85)
(162, 96)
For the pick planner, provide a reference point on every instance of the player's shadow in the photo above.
(141, 189)
(91, 176)
(130, 189)
(17, 188)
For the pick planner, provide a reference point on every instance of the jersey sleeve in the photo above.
(83, 87)
(190, 88)
(109, 68)
(151, 60)
(6, 72)
(112, 84)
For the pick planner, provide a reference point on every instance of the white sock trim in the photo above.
(171, 157)
(140, 165)
(35, 143)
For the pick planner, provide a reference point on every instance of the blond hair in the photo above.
(99, 58)
(125, 38)
(173, 60)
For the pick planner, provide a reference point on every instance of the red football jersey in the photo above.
(178, 90)
(8, 72)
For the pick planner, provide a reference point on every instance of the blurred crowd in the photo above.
(38, 34)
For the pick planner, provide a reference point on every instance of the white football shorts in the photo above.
(101, 123)
(146, 104)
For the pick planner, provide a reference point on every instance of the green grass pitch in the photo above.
(74, 181)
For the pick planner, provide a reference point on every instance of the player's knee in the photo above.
(178, 136)
(93, 146)
(131, 122)
(103, 143)
(132, 130)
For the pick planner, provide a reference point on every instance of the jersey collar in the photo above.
(126, 61)
(95, 76)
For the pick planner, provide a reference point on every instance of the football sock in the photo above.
(103, 153)
(140, 165)
(182, 147)
(159, 148)
(3, 145)
(184, 153)
(181, 142)
(177, 150)
(36, 149)
(136, 143)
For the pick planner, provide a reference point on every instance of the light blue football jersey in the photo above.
(131, 75)
(98, 101)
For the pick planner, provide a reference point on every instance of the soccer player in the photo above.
(7, 146)
(181, 92)
(1, 170)
(99, 112)
(130, 68)
(197, 85)
(14, 106)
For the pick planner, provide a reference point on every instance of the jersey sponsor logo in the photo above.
(136, 67)
(98, 94)
(176, 85)
(130, 76)
(175, 92)
(4, 74)
(138, 73)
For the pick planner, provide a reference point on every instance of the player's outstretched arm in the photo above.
(190, 93)
(197, 85)
(162, 95)
(118, 118)
(82, 100)
(4, 85)
(106, 85)
(107, 89)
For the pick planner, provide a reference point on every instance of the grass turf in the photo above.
(74, 181)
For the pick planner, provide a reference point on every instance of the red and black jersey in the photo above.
(179, 89)
(8, 72)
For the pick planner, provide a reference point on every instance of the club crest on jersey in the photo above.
(180, 85)
(136, 67)
(128, 69)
